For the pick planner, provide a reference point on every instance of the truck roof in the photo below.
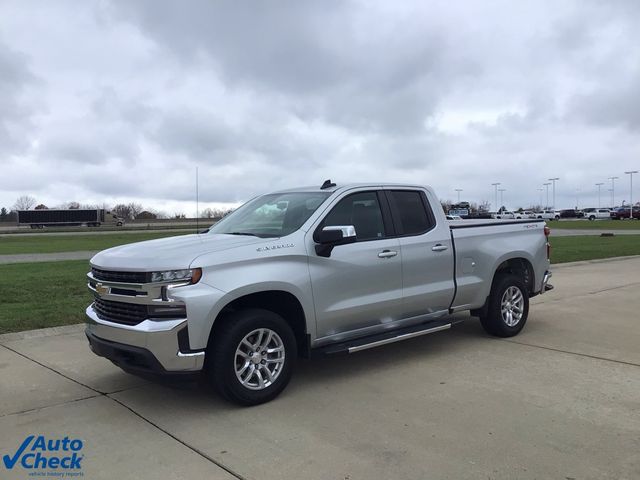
(347, 186)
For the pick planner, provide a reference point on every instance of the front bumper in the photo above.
(150, 346)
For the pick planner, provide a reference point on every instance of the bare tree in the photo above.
(122, 210)
(41, 206)
(484, 206)
(134, 210)
(25, 202)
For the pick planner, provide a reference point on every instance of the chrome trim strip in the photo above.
(399, 338)
(195, 354)
(377, 328)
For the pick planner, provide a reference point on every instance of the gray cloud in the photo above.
(125, 99)
(15, 112)
(615, 104)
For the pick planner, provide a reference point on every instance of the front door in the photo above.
(360, 284)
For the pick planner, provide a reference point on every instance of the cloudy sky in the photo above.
(111, 101)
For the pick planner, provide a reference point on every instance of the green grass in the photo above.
(595, 225)
(70, 243)
(573, 249)
(38, 295)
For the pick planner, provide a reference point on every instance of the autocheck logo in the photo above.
(53, 455)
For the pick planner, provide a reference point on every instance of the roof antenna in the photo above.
(327, 184)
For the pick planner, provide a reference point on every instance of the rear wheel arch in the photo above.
(518, 266)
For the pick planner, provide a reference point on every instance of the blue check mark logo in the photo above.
(10, 462)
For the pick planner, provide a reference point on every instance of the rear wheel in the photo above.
(508, 307)
(251, 356)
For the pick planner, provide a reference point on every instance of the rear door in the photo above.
(427, 254)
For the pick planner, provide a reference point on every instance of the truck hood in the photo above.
(172, 253)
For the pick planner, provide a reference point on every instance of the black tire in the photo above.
(221, 355)
(494, 322)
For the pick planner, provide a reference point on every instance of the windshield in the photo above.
(273, 215)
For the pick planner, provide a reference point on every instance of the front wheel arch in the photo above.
(280, 302)
(224, 365)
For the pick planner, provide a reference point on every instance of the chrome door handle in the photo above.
(439, 248)
(387, 254)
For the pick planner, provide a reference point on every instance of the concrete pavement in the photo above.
(46, 257)
(561, 400)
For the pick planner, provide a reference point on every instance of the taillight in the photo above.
(547, 232)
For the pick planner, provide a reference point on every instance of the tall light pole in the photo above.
(496, 188)
(630, 173)
(502, 190)
(553, 180)
(458, 190)
(546, 207)
(577, 198)
(613, 190)
(599, 185)
(540, 195)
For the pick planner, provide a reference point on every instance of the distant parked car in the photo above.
(548, 214)
(525, 214)
(622, 213)
(505, 214)
(596, 213)
(570, 213)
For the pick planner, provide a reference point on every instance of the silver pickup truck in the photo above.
(306, 271)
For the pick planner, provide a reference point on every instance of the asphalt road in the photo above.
(96, 232)
(561, 401)
(45, 257)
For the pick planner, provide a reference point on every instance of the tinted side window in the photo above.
(411, 212)
(362, 210)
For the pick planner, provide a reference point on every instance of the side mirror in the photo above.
(333, 236)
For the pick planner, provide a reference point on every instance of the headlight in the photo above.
(191, 275)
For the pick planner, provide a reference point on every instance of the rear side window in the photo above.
(362, 210)
(412, 215)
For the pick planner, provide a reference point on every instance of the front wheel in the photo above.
(251, 356)
(508, 307)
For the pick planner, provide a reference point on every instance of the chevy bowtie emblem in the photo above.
(101, 289)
